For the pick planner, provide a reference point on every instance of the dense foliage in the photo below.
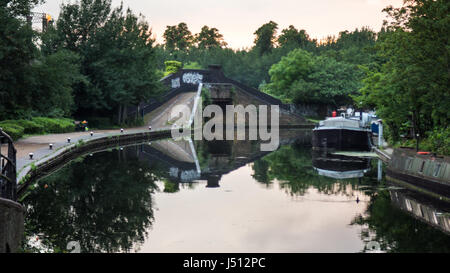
(98, 60)
(410, 88)
(95, 61)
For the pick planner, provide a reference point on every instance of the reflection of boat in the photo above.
(421, 171)
(430, 212)
(341, 133)
(340, 166)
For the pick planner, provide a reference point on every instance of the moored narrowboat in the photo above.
(421, 171)
(343, 134)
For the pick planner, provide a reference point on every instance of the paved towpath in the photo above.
(39, 145)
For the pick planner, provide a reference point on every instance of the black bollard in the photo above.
(92, 133)
(31, 155)
(50, 146)
(68, 140)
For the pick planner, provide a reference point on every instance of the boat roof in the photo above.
(340, 122)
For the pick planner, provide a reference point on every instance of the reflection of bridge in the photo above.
(186, 161)
(183, 87)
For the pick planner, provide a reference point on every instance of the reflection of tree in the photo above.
(171, 186)
(104, 202)
(292, 166)
(396, 231)
(260, 168)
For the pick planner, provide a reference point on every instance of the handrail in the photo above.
(7, 178)
(9, 160)
(4, 134)
(8, 174)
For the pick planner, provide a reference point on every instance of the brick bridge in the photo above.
(183, 89)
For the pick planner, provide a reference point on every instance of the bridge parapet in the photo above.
(187, 80)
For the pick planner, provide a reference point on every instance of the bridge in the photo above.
(183, 88)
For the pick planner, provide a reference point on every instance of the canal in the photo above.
(228, 196)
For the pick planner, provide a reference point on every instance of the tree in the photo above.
(209, 38)
(266, 37)
(53, 95)
(16, 54)
(294, 38)
(414, 79)
(301, 77)
(117, 57)
(178, 37)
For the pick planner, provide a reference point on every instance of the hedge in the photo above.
(55, 125)
(30, 127)
(38, 125)
(13, 130)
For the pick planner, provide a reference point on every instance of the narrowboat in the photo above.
(423, 171)
(343, 134)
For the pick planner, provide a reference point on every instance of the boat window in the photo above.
(409, 162)
(436, 169)
(422, 166)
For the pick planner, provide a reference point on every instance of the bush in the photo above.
(172, 67)
(13, 130)
(30, 127)
(55, 125)
(438, 141)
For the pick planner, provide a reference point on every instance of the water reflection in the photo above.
(226, 196)
(104, 202)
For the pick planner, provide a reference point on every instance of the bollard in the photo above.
(92, 133)
(31, 155)
(149, 128)
(68, 140)
(121, 130)
(50, 146)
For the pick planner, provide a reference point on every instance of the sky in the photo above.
(237, 20)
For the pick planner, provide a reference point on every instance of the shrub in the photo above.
(439, 141)
(13, 130)
(30, 127)
(53, 125)
(172, 67)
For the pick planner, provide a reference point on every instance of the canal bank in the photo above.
(45, 160)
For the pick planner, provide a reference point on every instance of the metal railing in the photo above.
(8, 175)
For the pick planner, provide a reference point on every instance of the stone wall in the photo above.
(11, 225)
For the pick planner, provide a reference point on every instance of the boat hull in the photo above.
(433, 187)
(341, 139)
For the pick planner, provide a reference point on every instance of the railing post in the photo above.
(8, 178)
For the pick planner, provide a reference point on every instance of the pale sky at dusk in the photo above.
(237, 20)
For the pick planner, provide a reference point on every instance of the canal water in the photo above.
(228, 196)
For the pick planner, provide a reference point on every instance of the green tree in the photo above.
(178, 37)
(117, 57)
(16, 54)
(265, 38)
(301, 77)
(209, 38)
(53, 94)
(294, 38)
(414, 79)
